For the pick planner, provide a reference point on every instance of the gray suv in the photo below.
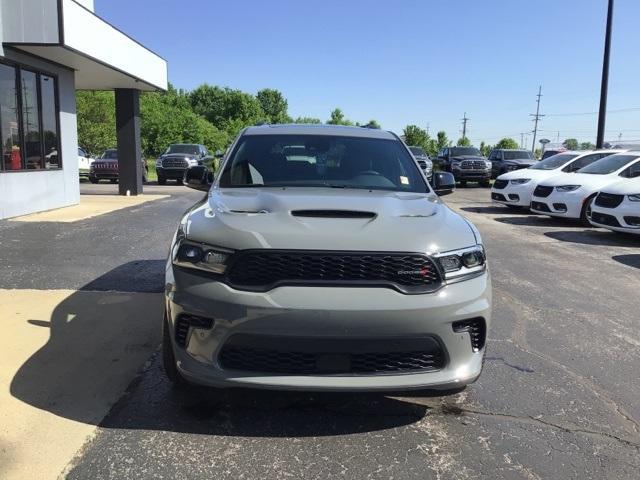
(321, 259)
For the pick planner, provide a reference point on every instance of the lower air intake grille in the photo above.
(183, 324)
(477, 330)
(604, 219)
(262, 270)
(316, 356)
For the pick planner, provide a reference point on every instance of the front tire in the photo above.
(162, 181)
(463, 183)
(169, 358)
(93, 180)
(586, 210)
(485, 183)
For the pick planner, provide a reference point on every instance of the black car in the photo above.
(466, 163)
(505, 160)
(177, 158)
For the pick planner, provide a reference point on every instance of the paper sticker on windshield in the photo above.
(404, 180)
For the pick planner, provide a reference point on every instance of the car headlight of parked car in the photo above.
(519, 181)
(634, 198)
(511, 166)
(159, 162)
(200, 256)
(487, 164)
(462, 263)
(567, 188)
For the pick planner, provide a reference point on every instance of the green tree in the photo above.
(508, 143)
(307, 120)
(274, 105)
(570, 144)
(587, 146)
(463, 142)
(441, 140)
(337, 118)
(96, 113)
(414, 135)
(372, 124)
(485, 149)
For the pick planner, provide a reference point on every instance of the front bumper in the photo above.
(617, 219)
(326, 312)
(471, 175)
(104, 174)
(560, 204)
(518, 195)
(171, 173)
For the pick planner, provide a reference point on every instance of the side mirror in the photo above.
(198, 177)
(444, 183)
(219, 154)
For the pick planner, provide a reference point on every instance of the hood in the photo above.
(628, 186)
(468, 157)
(587, 180)
(181, 156)
(528, 173)
(521, 161)
(243, 218)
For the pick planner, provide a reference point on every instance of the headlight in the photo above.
(159, 162)
(488, 164)
(634, 198)
(461, 263)
(519, 181)
(201, 256)
(567, 188)
(511, 166)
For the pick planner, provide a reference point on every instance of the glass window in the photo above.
(608, 164)
(517, 155)
(417, 151)
(554, 161)
(632, 172)
(459, 151)
(584, 161)
(31, 121)
(183, 148)
(9, 129)
(322, 161)
(50, 122)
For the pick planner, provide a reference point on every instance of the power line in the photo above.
(577, 114)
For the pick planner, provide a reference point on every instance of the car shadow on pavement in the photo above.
(102, 335)
(495, 210)
(594, 237)
(538, 221)
(632, 260)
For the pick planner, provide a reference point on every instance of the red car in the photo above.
(106, 167)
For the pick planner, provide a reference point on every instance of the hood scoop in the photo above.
(332, 214)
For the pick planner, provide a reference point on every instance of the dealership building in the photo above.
(48, 50)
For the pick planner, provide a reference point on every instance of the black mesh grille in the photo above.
(542, 191)
(473, 165)
(500, 184)
(608, 200)
(310, 356)
(604, 219)
(261, 270)
(498, 196)
(184, 322)
(174, 163)
(635, 221)
(541, 207)
(477, 330)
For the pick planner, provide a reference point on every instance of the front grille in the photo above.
(473, 165)
(542, 191)
(105, 166)
(539, 206)
(477, 330)
(498, 196)
(500, 184)
(322, 355)
(262, 270)
(174, 163)
(604, 219)
(608, 200)
(184, 322)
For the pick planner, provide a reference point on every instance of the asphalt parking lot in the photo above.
(558, 398)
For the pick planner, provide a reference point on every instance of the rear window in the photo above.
(322, 161)
(608, 164)
(517, 155)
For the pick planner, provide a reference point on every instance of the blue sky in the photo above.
(424, 62)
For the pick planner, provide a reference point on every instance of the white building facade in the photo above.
(48, 49)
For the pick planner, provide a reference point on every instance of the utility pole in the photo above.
(604, 86)
(536, 117)
(558, 137)
(521, 139)
(620, 136)
(464, 126)
(427, 128)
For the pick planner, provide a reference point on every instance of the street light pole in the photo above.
(604, 87)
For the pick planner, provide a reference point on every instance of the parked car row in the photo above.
(599, 187)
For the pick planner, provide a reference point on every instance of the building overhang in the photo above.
(69, 34)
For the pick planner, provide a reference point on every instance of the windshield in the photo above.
(322, 160)
(608, 164)
(458, 151)
(417, 151)
(517, 155)
(190, 149)
(110, 154)
(553, 162)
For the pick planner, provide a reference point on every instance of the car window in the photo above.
(190, 149)
(553, 162)
(417, 151)
(584, 161)
(517, 155)
(608, 164)
(81, 153)
(110, 154)
(632, 172)
(322, 160)
(458, 151)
